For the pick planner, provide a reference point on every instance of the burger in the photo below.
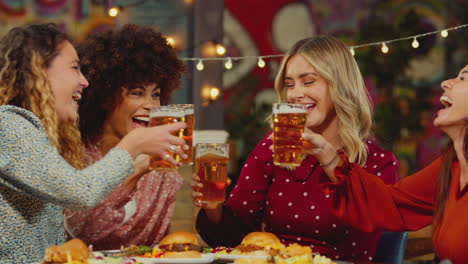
(75, 250)
(180, 244)
(259, 244)
(294, 254)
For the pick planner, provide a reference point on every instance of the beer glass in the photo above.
(162, 115)
(211, 164)
(189, 119)
(288, 126)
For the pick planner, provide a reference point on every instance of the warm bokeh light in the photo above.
(415, 43)
(214, 93)
(352, 51)
(114, 11)
(171, 41)
(220, 49)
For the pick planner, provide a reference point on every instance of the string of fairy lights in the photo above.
(228, 61)
(384, 47)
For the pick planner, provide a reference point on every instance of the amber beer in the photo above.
(211, 165)
(163, 115)
(189, 119)
(288, 126)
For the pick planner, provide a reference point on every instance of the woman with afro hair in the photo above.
(129, 70)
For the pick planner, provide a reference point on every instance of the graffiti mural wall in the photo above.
(77, 17)
(404, 83)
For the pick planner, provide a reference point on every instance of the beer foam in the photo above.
(167, 113)
(189, 111)
(287, 109)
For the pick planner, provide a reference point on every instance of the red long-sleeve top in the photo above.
(291, 205)
(368, 204)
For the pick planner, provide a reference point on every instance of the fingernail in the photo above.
(186, 147)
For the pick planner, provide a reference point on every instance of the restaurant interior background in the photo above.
(404, 82)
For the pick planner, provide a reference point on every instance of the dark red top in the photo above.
(408, 205)
(292, 205)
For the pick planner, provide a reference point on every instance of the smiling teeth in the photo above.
(446, 101)
(76, 96)
(142, 118)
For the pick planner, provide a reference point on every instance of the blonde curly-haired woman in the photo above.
(41, 166)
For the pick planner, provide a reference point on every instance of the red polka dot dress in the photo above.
(292, 205)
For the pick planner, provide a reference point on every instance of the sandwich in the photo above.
(180, 244)
(294, 254)
(74, 250)
(259, 244)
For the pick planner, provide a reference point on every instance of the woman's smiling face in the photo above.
(304, 85)
(132, 110)
(67, 82)
(454, 100)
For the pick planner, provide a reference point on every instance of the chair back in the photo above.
(391, 248)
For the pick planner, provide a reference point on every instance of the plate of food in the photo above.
(177, 247)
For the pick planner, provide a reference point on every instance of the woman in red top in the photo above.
(435, 195)
(288, 202)
(130, 71)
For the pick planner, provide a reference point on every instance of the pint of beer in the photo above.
(162, 115)
(189, 119)
(211, 165)
(288, 126)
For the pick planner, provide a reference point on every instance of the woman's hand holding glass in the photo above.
(156, 140)
(316, 145)
(213, 210)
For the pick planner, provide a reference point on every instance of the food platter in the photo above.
(204, 259)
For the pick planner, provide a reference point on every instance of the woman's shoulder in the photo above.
(14, 118)
(263, 147)
(378, 154)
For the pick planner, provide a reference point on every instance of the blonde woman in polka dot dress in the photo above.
(41, 166)
(319, 71)
(144, 71)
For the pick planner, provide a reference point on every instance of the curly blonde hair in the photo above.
(333, 61)
(25, 55)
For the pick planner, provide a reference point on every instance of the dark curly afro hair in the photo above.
(130, 57)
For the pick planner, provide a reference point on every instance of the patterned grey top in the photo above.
(36, 183)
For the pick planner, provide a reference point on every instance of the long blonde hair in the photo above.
(25, 55)
(334, 62)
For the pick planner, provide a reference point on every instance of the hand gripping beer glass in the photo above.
(189, 119)
(288, 126)
(211, 164)
(163, 115)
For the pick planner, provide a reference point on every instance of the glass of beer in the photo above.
(288, 126)
(211, 165)
(162, 115)
(189, 119)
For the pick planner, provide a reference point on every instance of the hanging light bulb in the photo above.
(352, 51)
(220, 49)
(444, 33)
(384, 48)
(228, 64)
(415, 43)
(114, 11)
(200, 65)
(261, 62)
